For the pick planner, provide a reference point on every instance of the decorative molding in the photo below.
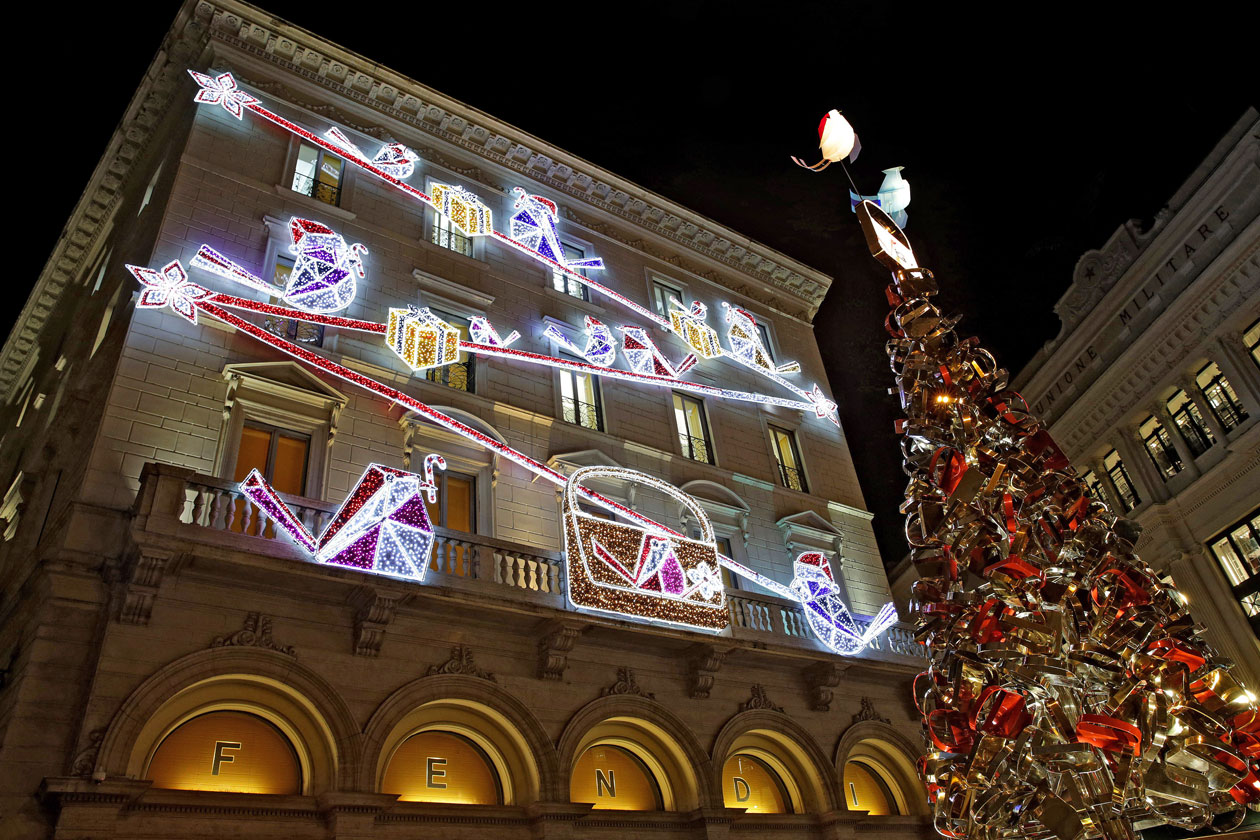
(868, 712)
(704, 663)
(556, 641)
(759, 700)
(461, 662)
(626, 684)
(821, 678)
(374, 612)
(85, 760)
(142, 576)
(256, 632)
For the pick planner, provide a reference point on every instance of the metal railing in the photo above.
(452, 240)
(316, 189)
(299, 331)
(582, 413)
(457, 375)
(697, 449)
(792, 478)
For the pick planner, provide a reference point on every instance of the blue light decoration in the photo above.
(599, 350)
(893, 196)
(534, 226)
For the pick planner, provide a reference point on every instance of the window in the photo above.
(1094, 486)
(459, 374)
(661, 293)
(1238, 552)
(318, 174)
(1160, 447)
(749, 782)
(437, 766)
(279, 454)
(867, 788)
(693, 428)
(1190, 423)
(729, 579)
(579, 400)
(789, 459)
(1220, 396)
(613, 778)
(456, 504)
(445, 234)
(226, 751)
(290, 328)
(765, 339)
(562, 282)
(1119, 476)
(1251, 338)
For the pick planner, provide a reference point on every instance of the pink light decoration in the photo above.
(645, 357)
(169, 286)
(222, 90)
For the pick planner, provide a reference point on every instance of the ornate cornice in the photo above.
(410, 103)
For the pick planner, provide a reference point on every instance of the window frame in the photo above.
(276, 432)
(1159, 440)
(1201, 438)
(440, 478)
(1231, 413)
(562, 283)
(1133, 499)
(434, 222)
(442, 375)
(655, 279)
(597, 392)
(338, 192)
(1251, 341)
(686, 448)
(1249, 587)
(795, 447)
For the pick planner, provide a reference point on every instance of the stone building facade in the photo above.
(171, 663)
(1153, 388)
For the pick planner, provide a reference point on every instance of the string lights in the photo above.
(534, 226)
(169, 286)
(465, 210)
(382, 527)
(421, 339)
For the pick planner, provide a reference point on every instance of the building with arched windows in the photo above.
(243, 594)
(1153, 388)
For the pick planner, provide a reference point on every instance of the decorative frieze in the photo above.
(867, 712)
(256, 632)
(461, 662)
(759, 700)
(626, 684)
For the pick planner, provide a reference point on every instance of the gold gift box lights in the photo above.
(422, 339)
(465, 210)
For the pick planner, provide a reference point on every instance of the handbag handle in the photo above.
(600, 471)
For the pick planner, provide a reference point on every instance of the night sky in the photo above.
(1028, 135)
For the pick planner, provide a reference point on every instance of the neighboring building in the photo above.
(171, 665)
(1152, 388)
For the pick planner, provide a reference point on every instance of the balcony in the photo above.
(179, 511)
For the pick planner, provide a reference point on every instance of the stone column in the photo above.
(1160, 409)
(1147, 479)
(1241, 372)
(1191, 388)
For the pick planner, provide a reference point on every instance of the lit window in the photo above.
(279, 454)
(750, 783)
(1119, 476)
(436, 766)
(1094, 486)
(580, 401)
(226, 751)
(445, 234)
(459, 374)
(456, 504)
(290, 328)
(789, 459)
(615, 779)
(1190, 424)
(1220, 396)
(661, 293)
(562, 282)
(318, 174)
(1251, 338)
(1238, 552)
(693, 428)
(866, 788)
(1160, 447)
(729, 579)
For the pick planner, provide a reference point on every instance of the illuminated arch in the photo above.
(226, 750)
(655, 736)
(788, 749)
(493, 719)
(886, 754)
(271, 685)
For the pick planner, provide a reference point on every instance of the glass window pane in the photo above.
(289, 472)
(1251, 338)
(1230, 562)
(1245, 543)
(330, 170)
(304, 171)
(749, 783)
(441, 767)
(252, 452)
(226, 751)
(613, 779)
(864, 790)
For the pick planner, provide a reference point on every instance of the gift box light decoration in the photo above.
(421, 339)
(465, 210)
(1069, 693)
(690, 326)
(382, 527)
(630, 570)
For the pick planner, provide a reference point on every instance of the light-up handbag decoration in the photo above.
(635, 571)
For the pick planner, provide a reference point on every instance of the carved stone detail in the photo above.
(626, 684)
(141, 579)
(255, 633)
(706, 661)
(759, 700)
(374, 613)
(558, 638)
(461, 662)
(821, 678)
(85, 761)
(868, 712)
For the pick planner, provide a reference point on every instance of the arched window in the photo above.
(226, 751)
(750, 782)
(869, 787)
(614, 778)
(441, 766)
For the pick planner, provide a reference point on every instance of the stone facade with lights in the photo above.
(1152, 388)
(170, 664)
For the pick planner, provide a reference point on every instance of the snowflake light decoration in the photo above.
(382, 527)
(222, 90)
(169, 286)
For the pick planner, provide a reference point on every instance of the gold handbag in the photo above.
(634, 571)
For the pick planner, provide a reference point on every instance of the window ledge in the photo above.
(314, 204)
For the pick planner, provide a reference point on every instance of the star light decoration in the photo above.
(382, 527)
(222, 90)
(169, 286)
(1069, 693)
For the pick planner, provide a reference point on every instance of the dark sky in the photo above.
(1028, 134)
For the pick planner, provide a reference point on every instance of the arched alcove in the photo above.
(653, 736)
(874, 758)
(499, 727)
(786, 750)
